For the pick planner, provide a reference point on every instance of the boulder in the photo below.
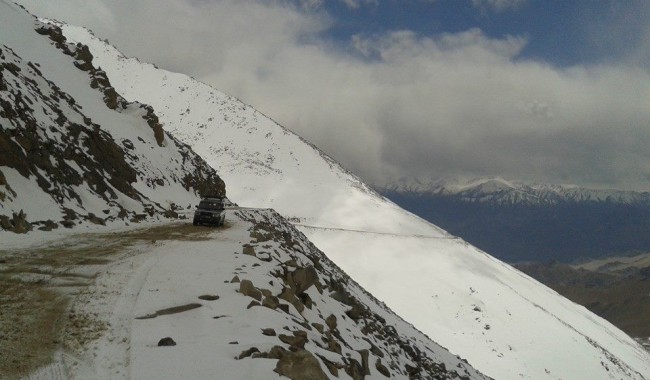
(271, 302)
(297, 341)
(268, 332)
(247, 353)
(246, 288)
(166, 342)
(304, 278)
(382, 368)
(249, 250)
(300, 365)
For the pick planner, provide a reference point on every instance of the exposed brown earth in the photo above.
(38, 285)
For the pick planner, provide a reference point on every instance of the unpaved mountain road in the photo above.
(39, 286)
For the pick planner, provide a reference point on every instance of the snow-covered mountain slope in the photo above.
(71, 149)
(500, 191)
(504, 323)
(254, 300)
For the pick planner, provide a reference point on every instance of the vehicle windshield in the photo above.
(211, 205)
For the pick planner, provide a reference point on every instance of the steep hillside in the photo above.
(503, 322)
(72, 150)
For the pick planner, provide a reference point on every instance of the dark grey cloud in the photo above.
(457, 104)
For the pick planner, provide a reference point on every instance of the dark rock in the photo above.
(165, 342)
(96, 220)
(266, 292)
(332, 344)
(289, 296)
(342, 298)
(297, 341)
(271, 302)
(319, 327)
(364, 361)
(357, 312)
(304, 278)
(376, 351)
(331, 366)
(355, 370)
(306, 300)
(247, 353)
(246, 288)
(49, 226)
(235, 279)
(300, 365)
(249, 250)
(277, 352)
(252, 304)
(208, 297)
(331, 322)
(268, 332)
(381, 368)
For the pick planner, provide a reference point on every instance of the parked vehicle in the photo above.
(210, 210)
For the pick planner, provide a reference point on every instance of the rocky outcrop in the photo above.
(48, 138)
(300, 365)
(357, 340)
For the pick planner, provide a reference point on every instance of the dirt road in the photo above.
(40, 286)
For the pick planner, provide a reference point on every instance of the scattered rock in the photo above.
(300, 365)
(319, 327)
(268, 332)
(331, 366)
(355, 370)
(247, 353)
(381, 368)
(271, 302)
(277, 352)
(357, 312)
(304, 278)
(331, 322)
(289, 296)
(246, 288)
(252, 304)
(297, 341)
(208, 297)
(291, 263)
(166, 342)
(249, 250)
(235, 279)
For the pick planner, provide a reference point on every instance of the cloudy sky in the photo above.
(542, 90)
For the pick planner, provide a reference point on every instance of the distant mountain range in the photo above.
(497, 190)
(520, 222)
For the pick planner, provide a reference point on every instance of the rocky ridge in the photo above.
(359, 340)
(78, 164)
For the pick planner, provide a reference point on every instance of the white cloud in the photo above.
(401, 105)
